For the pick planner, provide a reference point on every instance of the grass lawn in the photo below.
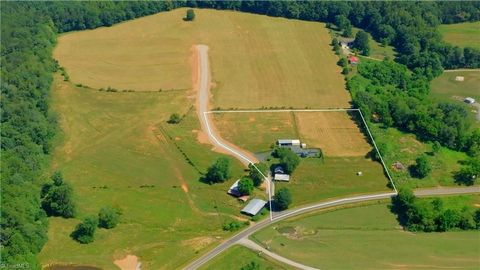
(405, 148)
(462, 34)
(114, 152)
(369, 237)
(237, 257)
(255, 60)
(377, 50)
(316, 180)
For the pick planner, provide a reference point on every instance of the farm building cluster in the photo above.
(276, 173)
(298, 147)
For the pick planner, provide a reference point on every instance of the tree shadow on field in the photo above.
(203, 179)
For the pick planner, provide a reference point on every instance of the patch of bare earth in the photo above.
(130, 262)
(198, 243)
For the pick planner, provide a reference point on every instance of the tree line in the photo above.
(388, 93)
(432, 215)
(29, 31)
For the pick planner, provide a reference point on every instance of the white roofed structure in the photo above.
(285, 142)
(281, 177)
(253, 207)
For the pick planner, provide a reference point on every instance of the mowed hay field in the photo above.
(368, 237)
(445, 88)
(334, 132)
(255, 60)
(341, 141)
(462, 34)
(117, 150)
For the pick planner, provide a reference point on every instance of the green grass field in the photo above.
(377, 50)
(368, 237)
(113, 144)
(237, 257)
(405, 148)
(255, 60)
(462, 34)
(316, 180)
(446, 89)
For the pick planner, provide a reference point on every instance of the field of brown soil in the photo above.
(255, 60)
(334, 132)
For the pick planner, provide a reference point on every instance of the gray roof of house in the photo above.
(254, 206)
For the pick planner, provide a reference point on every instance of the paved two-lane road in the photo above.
(317, 206)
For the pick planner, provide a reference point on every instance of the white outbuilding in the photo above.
(469, 100)
(253, 207)
(282, 177)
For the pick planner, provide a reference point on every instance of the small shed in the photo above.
(459, 78)
(353, 60)
(234, 189)
(253, 207)
(282, 177)
(469, 100)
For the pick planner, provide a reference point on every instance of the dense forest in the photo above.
(29, 29)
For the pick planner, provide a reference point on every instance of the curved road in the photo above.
(202, 108)
(309, 208)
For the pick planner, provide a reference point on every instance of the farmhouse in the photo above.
(234, 189)
(282, 177)
(353, 60)
(278, 169)
(253, 207)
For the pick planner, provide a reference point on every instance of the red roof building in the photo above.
(353, 60)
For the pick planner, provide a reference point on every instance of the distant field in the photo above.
(445, 88)
(368, 237)
(344, 146)
(462, 34)
(112, 145)
(334, 132)
(377, 50)
(405, 148)
(239, 256)
(256, 60)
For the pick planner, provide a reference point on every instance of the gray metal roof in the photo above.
(254, 206)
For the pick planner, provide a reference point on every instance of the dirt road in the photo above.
(203, 97)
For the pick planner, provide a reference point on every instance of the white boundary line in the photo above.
(236, 153)
(284, 110)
